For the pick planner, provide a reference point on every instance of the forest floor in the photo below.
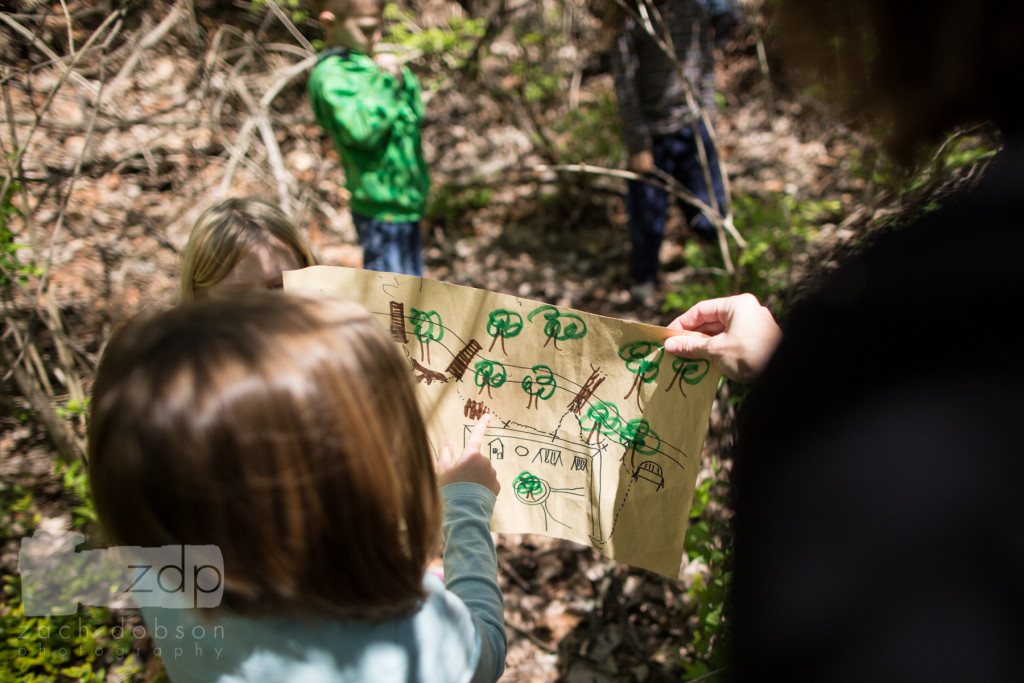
(114, 190)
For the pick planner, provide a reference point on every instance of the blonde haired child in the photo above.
(240, 244)
(285, 431)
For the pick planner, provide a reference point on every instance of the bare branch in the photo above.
(69, 72)
(60, 435)
(283, 18)
(670, 185)
(43, 280)
(281, 174)
(178, 12)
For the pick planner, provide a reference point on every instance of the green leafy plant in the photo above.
(12, 270)
(776, 228)
(86, 646)
(443, 48)
(95, 643)
(76, 484)
(298, 13)
(18, 513)
(451, 202)
(586, 132)
(709, 538)
(74, 408)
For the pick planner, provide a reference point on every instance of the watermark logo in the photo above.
(56, 578)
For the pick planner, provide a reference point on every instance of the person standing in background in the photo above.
(659, 125)
(371, 107)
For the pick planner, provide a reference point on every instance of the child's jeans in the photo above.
(677, 156)
(390, 247)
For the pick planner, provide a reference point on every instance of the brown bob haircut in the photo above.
(285, 431)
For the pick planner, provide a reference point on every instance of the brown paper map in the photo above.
(596, 433)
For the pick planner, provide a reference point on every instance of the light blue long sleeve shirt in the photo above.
(457, 635)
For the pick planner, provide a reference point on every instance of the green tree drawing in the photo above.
(688, 370)
(528, 485)
(559, 326)
(539, 386)
(503, 324)
(637, 436)
(601, 415)
(427, 327)
(639, 361)
(489, 374)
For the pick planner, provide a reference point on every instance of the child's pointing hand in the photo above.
(472, 465)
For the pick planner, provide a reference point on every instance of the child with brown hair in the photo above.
(238, 245)
(285, 431)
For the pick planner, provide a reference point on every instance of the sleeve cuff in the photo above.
(466, 489)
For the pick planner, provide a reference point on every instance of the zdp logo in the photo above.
(55, 578)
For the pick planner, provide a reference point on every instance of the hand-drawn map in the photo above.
(596, 432)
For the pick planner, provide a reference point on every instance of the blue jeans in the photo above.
(390, 247)
(677, 156)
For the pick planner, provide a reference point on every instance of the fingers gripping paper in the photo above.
(596, 433)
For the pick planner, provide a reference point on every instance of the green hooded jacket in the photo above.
(375, 124)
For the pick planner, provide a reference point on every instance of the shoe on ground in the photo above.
(644, 294)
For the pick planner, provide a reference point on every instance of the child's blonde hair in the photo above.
(225, 232)
(282, 429)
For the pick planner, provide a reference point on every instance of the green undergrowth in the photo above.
(93, 644)
(776, 228)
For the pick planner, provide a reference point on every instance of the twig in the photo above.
(664, 182)
(762, 62)
(118, 124)
(259, 119)
(238, 151)
(14, 168)
(287, 76)
(68, 73)
(514, 575)
(26, 366)
(70, 378)
(236, 69)
(177, 13)
(531, 637)
(44, 278)
(290, 26)
(710, 674)
(53, 56)
(574, 89)
(302, 53)
(67, 21)
(274, 158)
(56, 428)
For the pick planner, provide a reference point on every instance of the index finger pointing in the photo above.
(476, 438)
